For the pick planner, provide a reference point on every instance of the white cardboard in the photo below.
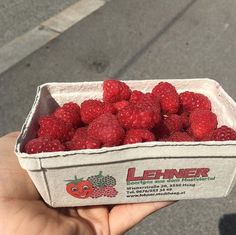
(150, 171)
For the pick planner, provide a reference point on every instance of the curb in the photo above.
(26, 44)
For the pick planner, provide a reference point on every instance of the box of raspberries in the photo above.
(113, 141)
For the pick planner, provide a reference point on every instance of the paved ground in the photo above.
(138, 39)
(19, 16)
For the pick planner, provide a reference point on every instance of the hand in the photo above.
(22, 212)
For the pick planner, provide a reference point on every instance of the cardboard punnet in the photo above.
(152, 171)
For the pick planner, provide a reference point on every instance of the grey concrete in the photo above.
(139, 39)
(19, 16)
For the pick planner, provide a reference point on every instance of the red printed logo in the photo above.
(94, 186)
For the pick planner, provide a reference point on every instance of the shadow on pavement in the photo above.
(227, 225)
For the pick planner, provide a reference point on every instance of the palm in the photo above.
(23, 212)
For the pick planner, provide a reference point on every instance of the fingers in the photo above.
(124, 217)
(97, 217)
(14, 181)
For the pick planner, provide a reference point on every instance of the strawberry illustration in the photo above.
(109, 191)
(79, 188)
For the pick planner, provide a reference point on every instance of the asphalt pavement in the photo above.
(19, 16)
(139, 39)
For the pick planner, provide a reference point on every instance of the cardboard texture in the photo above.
(153, 171)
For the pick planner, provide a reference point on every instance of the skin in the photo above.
(22, 211)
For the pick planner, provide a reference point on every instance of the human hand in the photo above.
(23, 212)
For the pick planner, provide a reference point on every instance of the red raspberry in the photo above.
(91, 109)
(135, 96)
(43, 144)
(120, 105)
(170, 123)
(134, 116)
(191, 100)
(106, 129)
(185, 119)
(109, 108)
(138, 136)
(54, 128)
(81, 140)
(69, 112)
(173, 123)
(109, 191)
(144, 114)
(114, 91)
(180, 136)
(222, 133)
(202, 122)
(168, 95)
(97, 192)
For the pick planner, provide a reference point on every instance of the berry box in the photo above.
(151, 171)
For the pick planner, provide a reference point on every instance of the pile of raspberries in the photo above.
(126, 116)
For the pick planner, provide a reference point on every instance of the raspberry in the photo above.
(168, 95)
(114, 91)
(163, 88)
(191, 100)
(69, 113)
(202, 122)
(43, 144)
(109, 108)
(120, 105)
(106, 129)
(81, 140)
(137, 117)
(173, 123)
(170, 123)
(180, 136)
(109, 191)
(223, 133)
(97, 192)
(54, 128)
(135, 96)
(91, 109)
(185, 119)
(138, 136)
(144, 114)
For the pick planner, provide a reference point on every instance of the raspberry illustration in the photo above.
(138, 136)
(97, 192)
(114, 91)
(107, 130)
(168, 96)
(43, 144)
(69, 113)
(109, 191)
(202, 122)
(54, 128)
(192, 100)
(109, 180)
(97, 180)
